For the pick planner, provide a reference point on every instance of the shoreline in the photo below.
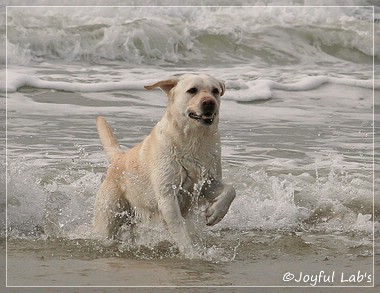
(36, 268)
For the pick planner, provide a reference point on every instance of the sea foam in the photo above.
(178, 35)
(243, 91)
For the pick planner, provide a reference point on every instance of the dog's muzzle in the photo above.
(208, 108)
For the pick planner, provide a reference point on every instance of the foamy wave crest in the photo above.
(17, 80)
(182, 35)
(262, 89)
(242, 91)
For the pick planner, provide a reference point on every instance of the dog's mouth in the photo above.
(206, 118)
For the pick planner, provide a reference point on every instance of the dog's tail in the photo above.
(108, 140)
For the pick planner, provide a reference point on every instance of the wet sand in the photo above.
(40, 269)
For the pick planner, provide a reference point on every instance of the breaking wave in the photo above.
(188, 35)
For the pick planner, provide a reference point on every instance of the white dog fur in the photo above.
(178, 163)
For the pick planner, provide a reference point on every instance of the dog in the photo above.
(176, 165)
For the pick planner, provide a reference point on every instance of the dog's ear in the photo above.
(223, 87)
(165, 85)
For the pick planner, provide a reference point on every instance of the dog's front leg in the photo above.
(220, 197)
(171, 213)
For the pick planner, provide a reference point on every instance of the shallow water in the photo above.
(308, 179)
(317, 164)
(299, 152)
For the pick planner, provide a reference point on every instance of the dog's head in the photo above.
(193, 97)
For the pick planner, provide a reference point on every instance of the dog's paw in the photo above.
(215, 213)
(220, 205)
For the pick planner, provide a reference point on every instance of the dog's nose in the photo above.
(208, 104)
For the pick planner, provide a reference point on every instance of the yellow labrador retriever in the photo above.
(176, 165)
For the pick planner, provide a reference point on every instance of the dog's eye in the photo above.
(215, 91)
(192, 91)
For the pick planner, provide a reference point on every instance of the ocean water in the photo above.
(296, 123)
